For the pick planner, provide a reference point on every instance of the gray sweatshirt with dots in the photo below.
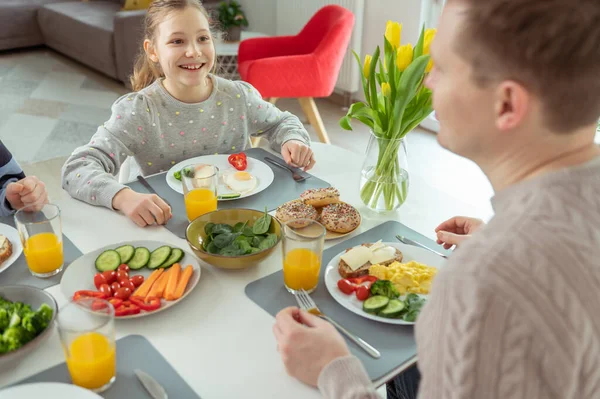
(158, 131)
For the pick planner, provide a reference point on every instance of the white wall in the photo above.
(261, 15)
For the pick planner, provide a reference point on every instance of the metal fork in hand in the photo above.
(306, 302)
(297, 177)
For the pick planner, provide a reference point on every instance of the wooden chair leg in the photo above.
(254, 141)
(314, 118)
(273, 100)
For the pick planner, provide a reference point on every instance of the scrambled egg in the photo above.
(411, 277)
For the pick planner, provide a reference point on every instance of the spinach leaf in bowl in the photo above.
(262, 224)
(208, 228)
(223, 240)
(221, 228)
(268, 242)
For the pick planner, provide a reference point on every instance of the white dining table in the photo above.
(217, 339)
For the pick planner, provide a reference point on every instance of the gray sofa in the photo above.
(94, 32)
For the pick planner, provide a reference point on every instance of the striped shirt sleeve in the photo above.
(10, 171)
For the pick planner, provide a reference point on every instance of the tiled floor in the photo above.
(50, 104)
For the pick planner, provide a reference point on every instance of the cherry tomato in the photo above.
(110, 276)
(127, 284)
(123, 267)
(115, 286)
(346, 286)
(363, 292)
(122, 275)
(105, 289)
(137, 280)
(99, 280)
(123, 293)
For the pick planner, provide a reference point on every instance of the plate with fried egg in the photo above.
(256, 177)
(410, 269)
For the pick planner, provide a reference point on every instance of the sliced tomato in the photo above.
(147, 304)
(89, 294)
(363, 292)
(238, 161)
(126, 309)
(346, 286)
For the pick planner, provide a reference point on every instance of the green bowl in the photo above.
(195, 236)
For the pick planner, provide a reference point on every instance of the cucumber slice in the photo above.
(126, 252)
(159, 256)
(176, 256)
(141, 256)
(394, 308)
(108, 260)
(375, 303)
(230, 196)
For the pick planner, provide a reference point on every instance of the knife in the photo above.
(408, 241)
(282, 163)
(152, 386)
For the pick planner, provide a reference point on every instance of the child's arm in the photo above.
(268, 121)
(11, 172)
(89, 173)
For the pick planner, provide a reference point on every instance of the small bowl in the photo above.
(34, 297)
(195, 236)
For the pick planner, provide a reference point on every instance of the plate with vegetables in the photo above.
(139, 277)
(391, 289)
(239, 176)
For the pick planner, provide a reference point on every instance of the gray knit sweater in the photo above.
(516, 312)
(160, 131)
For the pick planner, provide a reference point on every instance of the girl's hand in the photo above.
(297, 154)
(143, 209)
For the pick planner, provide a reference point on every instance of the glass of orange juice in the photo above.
(200, 182)
(41, 235)
(86, 327)
(303, 241)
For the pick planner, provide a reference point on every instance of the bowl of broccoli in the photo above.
(27, 317)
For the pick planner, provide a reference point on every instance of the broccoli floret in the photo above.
(188, 171)
(38, 321)
(15, 320)
(4, 319)
(385, 288)
(177, 174)
(21, 309)
(3, 346)
(45, 313)
(15, 337)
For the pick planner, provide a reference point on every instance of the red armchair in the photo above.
(303, 66)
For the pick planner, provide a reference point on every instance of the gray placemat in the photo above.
(18, 272)
(283, 189)
(395, 342)
(133, 352)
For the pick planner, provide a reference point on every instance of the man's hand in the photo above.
(143, 209)
(298, 154)
(454, 231)
(307, 344)
(28, 192)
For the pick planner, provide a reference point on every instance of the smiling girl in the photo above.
(179, 110)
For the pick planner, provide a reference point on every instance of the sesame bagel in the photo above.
(321, 196)
(340, 217)
(296, 209)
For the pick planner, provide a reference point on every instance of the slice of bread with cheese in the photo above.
(357, 261)
(5, 248)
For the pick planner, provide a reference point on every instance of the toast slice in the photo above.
(5, 248)
(346, 272)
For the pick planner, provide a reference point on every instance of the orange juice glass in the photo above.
(86, 328)
(200, 189)
(303, 241)
(40, 230)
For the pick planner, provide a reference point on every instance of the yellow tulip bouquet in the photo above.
(396, 102)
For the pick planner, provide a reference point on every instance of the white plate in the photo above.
(350, 302)
(263, 173)
(80, 274)
(17, 248)
(47, 390)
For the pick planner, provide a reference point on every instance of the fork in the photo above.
(308, 304)
(297, 177)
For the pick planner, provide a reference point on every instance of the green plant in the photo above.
(231, 14)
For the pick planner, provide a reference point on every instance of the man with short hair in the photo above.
(516, 311)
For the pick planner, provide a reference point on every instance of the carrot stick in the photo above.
(183, 281)
(159, 286)
(172, 283)
(146, 285)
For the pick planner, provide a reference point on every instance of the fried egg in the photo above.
(240, 182)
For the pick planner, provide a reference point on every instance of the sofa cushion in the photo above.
(18, 23)
(82, 30)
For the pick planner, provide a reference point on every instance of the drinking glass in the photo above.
(303, 241)
(200, 184)
(86, 327)
(40, 230)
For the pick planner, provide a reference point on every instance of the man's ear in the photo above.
(150, 51)
(512, 104)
